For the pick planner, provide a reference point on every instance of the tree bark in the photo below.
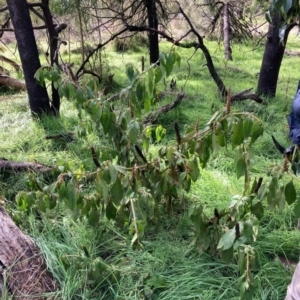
(226, 33)
(53, 42)
(22, 265)
(38, 96)
(274, 51)
(152, 36)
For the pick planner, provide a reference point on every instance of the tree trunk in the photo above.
(226, 33)
(274, 50)
(53, 41)
(21, 264)
(38, 96)
(152, 36)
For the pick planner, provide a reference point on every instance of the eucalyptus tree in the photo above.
(282, 15)
(230, 19)
(19, 11)
(38, 97)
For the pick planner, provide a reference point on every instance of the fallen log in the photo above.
(292, 53)
(23, 271)
(12, 83)
(7, 165)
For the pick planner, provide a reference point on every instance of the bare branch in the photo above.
(152, 117)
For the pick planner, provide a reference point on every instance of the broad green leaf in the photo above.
(106, 119)
(130, 72)
(227, 255)
(54, 75)
(160, 133)
(162, 59)
(290, 193)
(273, 186)
(256, 131)
(71, 196)
(71, 90)
(221, 138)
(177, 59)
(237, 133)
(278, 3)
(271, 201)
(113, 173)
(247, 127)
(258, 210)
(79, 95)
(117, 192)
(240, 168)
(195, 172)
(132, 133)
(297, 209)
(94, 217)
(169, 63)
(102, 188)
(140, 91)
(41, 205)
(89, 93)
(158, 74)
(215, 144)
(147, 103)
(150, 81)
(111, 211)
(262, 192)
(280, 198)
(287, 4)
(227, 240)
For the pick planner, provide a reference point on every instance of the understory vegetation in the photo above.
(99, 262)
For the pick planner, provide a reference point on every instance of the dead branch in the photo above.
(152, 117)
(67, 136)
(4, 71)
(100, 46)
(14, 166)
(109, 84)
(11, 62)
(22, 265)
(245, 95)
(95, 158)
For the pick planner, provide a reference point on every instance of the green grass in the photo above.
(168, 268)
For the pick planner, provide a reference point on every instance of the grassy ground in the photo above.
(168, 268)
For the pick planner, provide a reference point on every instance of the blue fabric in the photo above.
(294, 118)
